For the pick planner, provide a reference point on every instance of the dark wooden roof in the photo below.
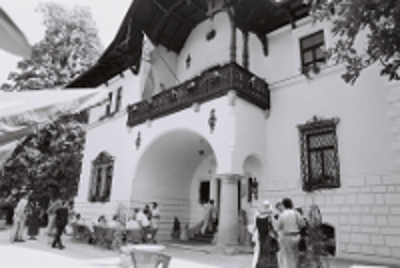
(169, 23)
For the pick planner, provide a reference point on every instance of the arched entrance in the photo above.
(171, 171)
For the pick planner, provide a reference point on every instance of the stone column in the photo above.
(214, 189)
(228, 216)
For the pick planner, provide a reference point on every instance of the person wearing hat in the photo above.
(265, 238)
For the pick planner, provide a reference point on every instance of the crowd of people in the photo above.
(28, 216)
(146, 221)
(277, 234)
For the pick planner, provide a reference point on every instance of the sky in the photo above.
(107, 14)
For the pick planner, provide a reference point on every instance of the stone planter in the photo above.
(143, 256)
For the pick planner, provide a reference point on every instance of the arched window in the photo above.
(102, 173)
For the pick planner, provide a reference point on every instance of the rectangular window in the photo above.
(119, 99)
(114, 102)
(312, 50)
(319, 154)
(109, 103)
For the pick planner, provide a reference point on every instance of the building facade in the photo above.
(235, 101)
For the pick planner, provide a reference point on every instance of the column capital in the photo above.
(229, 177)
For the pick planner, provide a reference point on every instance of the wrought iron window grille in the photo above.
(319, 154)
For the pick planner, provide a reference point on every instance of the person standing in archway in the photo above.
(155, 219)
(206, 217)
(214, 216)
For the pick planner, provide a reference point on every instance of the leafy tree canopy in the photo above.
(49, 158)
(378, 21)
(70, 46)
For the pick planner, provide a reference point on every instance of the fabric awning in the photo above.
(21, 113)
(12, 39)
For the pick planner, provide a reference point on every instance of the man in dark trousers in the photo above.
(61, 220)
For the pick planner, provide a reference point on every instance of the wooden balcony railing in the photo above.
(211, 84)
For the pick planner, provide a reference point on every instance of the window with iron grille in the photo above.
(312, 51)
(102, 173)
(319, 154)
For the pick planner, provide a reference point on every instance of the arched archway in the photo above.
(254, 173)
(253, 167)
(169, 172)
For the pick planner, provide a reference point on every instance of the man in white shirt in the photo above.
(142, 219)
(144, 223)
(290, 222)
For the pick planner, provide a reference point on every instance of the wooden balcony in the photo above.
(211, 84)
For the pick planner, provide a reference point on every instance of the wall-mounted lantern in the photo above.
(138, 141)
(212, 120)
(201, 150)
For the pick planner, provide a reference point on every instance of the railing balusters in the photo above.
(211, 84)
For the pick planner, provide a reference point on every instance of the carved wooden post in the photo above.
(231, 13)
(246, 50)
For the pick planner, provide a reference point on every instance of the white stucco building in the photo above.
(216, 97)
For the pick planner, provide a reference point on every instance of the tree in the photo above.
(378, 21)
(51, 157)
(70, 46)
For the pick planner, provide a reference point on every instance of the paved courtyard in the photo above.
(38, 253)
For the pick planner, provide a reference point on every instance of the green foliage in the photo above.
(50, 157)
(70, 46)
(378, 21)
(313, 257)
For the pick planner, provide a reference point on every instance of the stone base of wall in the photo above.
(365, 213)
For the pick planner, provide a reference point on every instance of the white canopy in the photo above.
(23, 112)
(11, 38)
